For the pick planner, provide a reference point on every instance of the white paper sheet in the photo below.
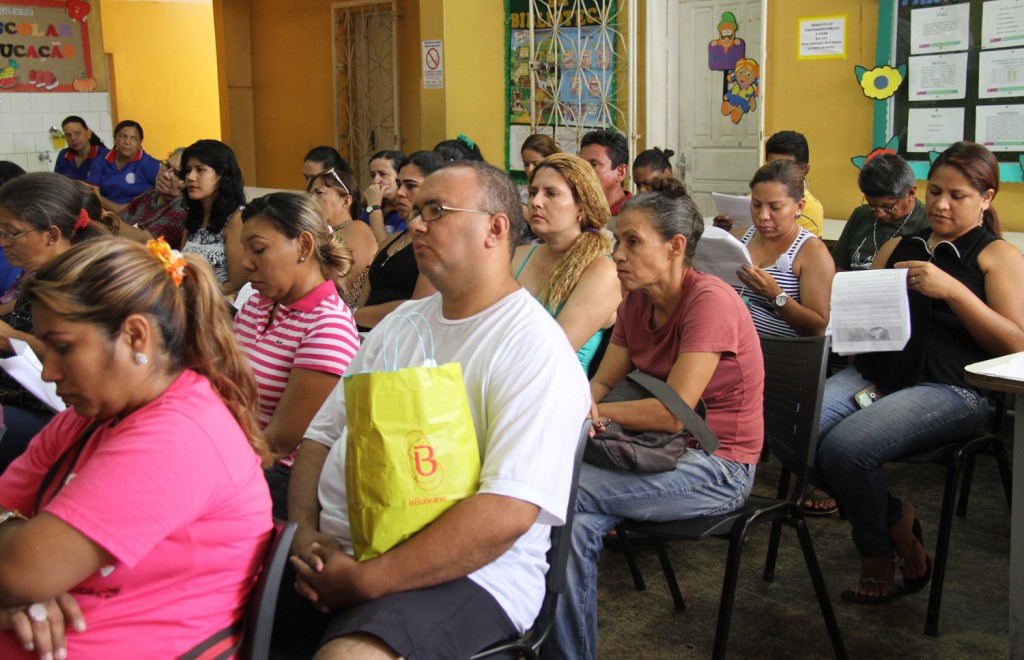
(938, 77)
(1008, 366)
(243, 294)
(1000, 127)
(1002, 23)
(870, 311)
(26, 368)
(721, 254)
(934, 128)
(736, 207)
(822, 37)
(940, 29)
(1001, 73)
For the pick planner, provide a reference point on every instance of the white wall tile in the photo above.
(10, 122)
(6, 145)
(24, 143)
(40, 102)
(99, 102)
(31, 122)
(19, 159)
(21, 102)
(79, 103)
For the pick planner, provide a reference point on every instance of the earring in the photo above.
(301, 259)
(981, 218)
(141, 358)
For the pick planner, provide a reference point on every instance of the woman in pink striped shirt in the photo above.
(296, 332)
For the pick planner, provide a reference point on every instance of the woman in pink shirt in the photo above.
(296, 332)
(144, 516)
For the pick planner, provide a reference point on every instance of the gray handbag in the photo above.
(648, 451)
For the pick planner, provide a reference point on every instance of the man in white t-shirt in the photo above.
(476, 574)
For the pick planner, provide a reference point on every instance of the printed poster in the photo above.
(43, 48)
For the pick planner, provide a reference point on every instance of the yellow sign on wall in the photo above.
(821, 38)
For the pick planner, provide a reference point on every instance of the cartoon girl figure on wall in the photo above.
(743, 86)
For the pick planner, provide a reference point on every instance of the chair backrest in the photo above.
(561, 542)
(794, 382)
(259, 621)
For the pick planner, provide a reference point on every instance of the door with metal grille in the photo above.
(365, 80)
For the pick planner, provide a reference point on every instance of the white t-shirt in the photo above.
(528, 397)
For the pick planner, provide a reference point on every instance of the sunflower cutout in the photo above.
(882, 81)
(891, 147)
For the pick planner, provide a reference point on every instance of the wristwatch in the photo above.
(780, 300)
(9, 515)
(373, 207)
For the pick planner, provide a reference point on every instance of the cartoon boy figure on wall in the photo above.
(725, 51)
(741, 96)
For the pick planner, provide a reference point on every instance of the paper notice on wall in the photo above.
(1001, 73)
(1000, 127)
(433, 64)
(870, 311)
(1002, 24)
(938, 77)
(821, 37)
(934, 128)
(940, 29)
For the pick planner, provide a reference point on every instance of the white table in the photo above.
(1015, 387)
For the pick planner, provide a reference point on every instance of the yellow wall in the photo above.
(165, 70)
(822, 100)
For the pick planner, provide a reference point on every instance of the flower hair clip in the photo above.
(466, 141)
(82, 221)
(171, 260)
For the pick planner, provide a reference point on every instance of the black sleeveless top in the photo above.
(940, 346)
(392, 278)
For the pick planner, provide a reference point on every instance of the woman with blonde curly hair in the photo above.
(570, 272)
(296, 331)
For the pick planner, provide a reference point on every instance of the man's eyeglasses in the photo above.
(880, 210)
(323, 175)
(7, 236)
(433, 212)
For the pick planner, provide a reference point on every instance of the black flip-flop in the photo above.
(814, 496)
(853, 596)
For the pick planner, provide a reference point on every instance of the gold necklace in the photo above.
(399, 245)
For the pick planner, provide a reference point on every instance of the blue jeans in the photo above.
(854, 444)
(700, 485)
(22, 425)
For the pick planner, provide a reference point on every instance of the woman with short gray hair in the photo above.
(890, 209)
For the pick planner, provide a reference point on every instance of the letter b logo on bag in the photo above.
(427, 471)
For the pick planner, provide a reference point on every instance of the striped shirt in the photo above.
(766, 318)
(316, 332)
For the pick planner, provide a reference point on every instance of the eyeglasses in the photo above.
(433, 212)
(324, 175)
(880, 210)
(168, 167)
(7, 236)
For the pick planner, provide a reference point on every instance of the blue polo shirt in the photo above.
(123, 185)
(66, 162)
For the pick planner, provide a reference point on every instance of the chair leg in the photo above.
(965, 484)
(670, 577)
(725, 604)
(820, 589)
(627, 550)
(931, 624)
(776, 533)
(1005, 471)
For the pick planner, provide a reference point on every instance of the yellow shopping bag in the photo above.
(412, 450)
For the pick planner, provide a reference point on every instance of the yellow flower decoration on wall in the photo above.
(882, 81)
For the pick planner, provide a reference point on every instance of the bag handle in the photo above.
(697, 427)
(411, 320)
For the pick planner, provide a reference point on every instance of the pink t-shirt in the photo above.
(175, 494)
(316, 332)
(710, 318)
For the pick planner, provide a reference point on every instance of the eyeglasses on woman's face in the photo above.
(8, 236)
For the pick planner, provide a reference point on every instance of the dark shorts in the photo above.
(451, 620)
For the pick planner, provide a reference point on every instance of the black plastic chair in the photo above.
(528, 644)
(958, 457)
(259, 622)
(794, 383)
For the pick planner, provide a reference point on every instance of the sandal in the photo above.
(912, 585)
(812, 504)
(855, 596)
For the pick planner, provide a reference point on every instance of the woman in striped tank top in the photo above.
(787, 290)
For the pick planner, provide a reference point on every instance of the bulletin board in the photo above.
(964, 78)
(44, 46)
(562, 75)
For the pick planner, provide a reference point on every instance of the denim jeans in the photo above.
(700, 485)
(854, 444)
(22, 425)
